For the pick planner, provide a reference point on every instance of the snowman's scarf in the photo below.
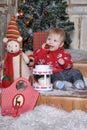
(9, 64)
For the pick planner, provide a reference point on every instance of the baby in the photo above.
(53, 53)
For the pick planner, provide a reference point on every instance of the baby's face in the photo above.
(55, 41)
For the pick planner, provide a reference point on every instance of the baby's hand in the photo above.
(61, 61)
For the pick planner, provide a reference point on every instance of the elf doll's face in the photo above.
(54, 41)
(13, 47)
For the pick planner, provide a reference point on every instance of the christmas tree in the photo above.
(40, 15)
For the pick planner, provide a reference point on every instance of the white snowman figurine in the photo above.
(13, 65)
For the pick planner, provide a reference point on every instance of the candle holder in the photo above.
(42, 78)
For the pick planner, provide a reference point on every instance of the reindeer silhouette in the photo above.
(17, 102)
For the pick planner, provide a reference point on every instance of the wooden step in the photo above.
(67, 103)
(82, 66)
(62, 102)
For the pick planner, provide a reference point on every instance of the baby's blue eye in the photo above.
(49, 38)
(54, 40)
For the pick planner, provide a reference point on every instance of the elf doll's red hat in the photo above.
(12, 33)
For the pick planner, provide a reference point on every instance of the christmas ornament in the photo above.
(31, 17)
(21, 14)
(27, 22)
(46, 12)
(0, 85)
(24, 1)
(29, 40)
(30, 31)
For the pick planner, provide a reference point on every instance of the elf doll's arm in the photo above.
(30, 55)
(25, 57)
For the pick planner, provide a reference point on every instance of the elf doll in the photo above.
(15, 61)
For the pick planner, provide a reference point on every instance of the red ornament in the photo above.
(46, 12)
(21, 14)
(29, 40)
(0, 85)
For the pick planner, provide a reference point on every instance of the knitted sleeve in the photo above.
(67, 60)
(40, 56)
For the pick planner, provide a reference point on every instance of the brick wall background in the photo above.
(7, 9)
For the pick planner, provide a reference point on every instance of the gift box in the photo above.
(38, 39)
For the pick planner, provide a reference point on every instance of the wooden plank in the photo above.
(66, 103)
(82, 66)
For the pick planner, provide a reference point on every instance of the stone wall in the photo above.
(7, 9)
(77, 10)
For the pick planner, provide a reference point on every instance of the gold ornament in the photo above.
(20, 29)
(27, 22)
(31, 17)
(24, 1)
